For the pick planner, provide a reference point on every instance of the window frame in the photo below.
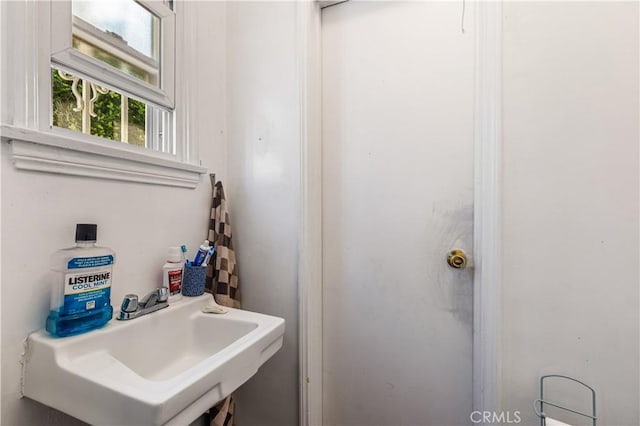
(64, 54)
(25, 108)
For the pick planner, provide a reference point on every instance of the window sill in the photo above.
(53, 153)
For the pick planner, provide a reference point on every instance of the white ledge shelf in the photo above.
(53, 153)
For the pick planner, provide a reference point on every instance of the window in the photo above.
(85, 106)
(112, 70)
(89, 92)
(120, 33)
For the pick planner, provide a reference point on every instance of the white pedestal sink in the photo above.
(167, 367)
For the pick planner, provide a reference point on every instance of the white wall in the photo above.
(263, 188)
(571, 202)
(39, 213)
(570, 197)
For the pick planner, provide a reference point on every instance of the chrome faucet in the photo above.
(132, 308)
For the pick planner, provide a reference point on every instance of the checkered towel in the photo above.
(222, 414)
(222, 275)
(222, 281)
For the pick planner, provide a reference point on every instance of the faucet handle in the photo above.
(129, 303)
(159, 295)
(163, 294)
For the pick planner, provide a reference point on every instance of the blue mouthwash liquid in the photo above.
(81, 293)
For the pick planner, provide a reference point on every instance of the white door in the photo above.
(398, 84)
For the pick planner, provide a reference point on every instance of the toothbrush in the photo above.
(183, 249)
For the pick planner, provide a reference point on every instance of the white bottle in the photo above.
(172, 273)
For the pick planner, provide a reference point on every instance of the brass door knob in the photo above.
(457, 259)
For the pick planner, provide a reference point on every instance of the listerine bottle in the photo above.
(81, 278)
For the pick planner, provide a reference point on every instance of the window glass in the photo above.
(82, 105)
(120, 33)
(145, 73)
(126, 19)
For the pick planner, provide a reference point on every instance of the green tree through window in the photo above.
(107, 107)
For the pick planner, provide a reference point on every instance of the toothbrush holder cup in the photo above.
(193, 280)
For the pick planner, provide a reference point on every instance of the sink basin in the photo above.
(167, 367)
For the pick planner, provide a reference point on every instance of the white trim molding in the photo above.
(37, 151)
(487, 208)
(309, 57)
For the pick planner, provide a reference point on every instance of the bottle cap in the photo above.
(174, 254)
(86, 232)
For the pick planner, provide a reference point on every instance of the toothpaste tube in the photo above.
(210, 252)
(201, 254)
